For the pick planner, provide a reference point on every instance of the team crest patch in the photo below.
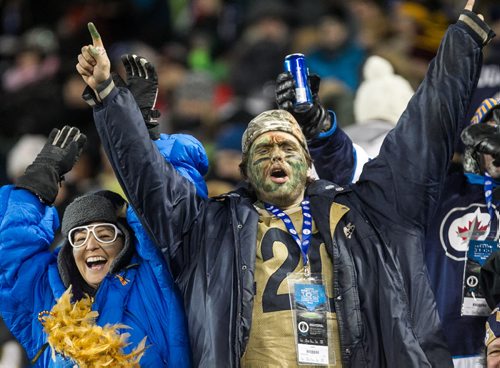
(462, 224)
(349, 230)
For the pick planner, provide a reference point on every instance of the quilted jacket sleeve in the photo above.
(26, 231)
(335, 156)
(166, 203)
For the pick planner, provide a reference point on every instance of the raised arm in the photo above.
(408, 175)
(166, 203)
(27, 227)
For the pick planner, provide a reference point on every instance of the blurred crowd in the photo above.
(217, 61)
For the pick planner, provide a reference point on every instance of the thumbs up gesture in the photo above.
(93, 62)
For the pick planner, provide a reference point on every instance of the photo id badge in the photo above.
(310, 306)
(473, 301)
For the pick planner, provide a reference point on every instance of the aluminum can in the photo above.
(296, 65)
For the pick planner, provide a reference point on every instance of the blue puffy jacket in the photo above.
(188, 156)
(30, 283)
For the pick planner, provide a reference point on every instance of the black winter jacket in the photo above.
(385, 308)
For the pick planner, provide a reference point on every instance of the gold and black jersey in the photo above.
(272, 340)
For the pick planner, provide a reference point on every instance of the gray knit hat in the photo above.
(272, 120)
(99, 206)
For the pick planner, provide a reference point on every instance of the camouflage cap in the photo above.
(272, 120)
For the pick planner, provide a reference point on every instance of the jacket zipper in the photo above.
(237, 347)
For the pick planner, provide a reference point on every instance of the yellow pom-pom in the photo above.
(73, 333)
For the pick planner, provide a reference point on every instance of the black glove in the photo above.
(142, 82)
(483, 138)
(56, 158)
(313, 121)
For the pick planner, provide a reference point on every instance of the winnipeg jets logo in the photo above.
(461, 225)
(473, 230)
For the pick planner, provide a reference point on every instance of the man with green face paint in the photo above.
(276, 159)
(287, 271)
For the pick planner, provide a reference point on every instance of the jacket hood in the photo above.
(70, 275)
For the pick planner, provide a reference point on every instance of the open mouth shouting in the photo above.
(93, 268)
(278, 175)
(96, 263)
(98, 245)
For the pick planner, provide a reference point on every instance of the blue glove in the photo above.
(188, 157)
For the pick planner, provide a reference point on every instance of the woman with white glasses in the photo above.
(103, 298)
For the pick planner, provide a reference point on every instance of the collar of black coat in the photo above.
(325, 187)
(243, 190)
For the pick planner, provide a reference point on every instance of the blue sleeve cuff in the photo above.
(332, 130)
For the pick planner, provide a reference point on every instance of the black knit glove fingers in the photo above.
(142, 81)
(65, 149)
(62, 149)
(314, 120)
(56, 158)
(285, 91)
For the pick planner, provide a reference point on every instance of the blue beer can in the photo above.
(296, 64)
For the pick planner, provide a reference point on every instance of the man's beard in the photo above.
(282, 198)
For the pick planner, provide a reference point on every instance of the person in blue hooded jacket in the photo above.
(106, 255)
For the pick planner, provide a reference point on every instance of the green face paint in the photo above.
(97, 49)
(277, 169)
(93, 32)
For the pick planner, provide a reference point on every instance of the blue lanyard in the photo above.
(306, 226)
(489, 185)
